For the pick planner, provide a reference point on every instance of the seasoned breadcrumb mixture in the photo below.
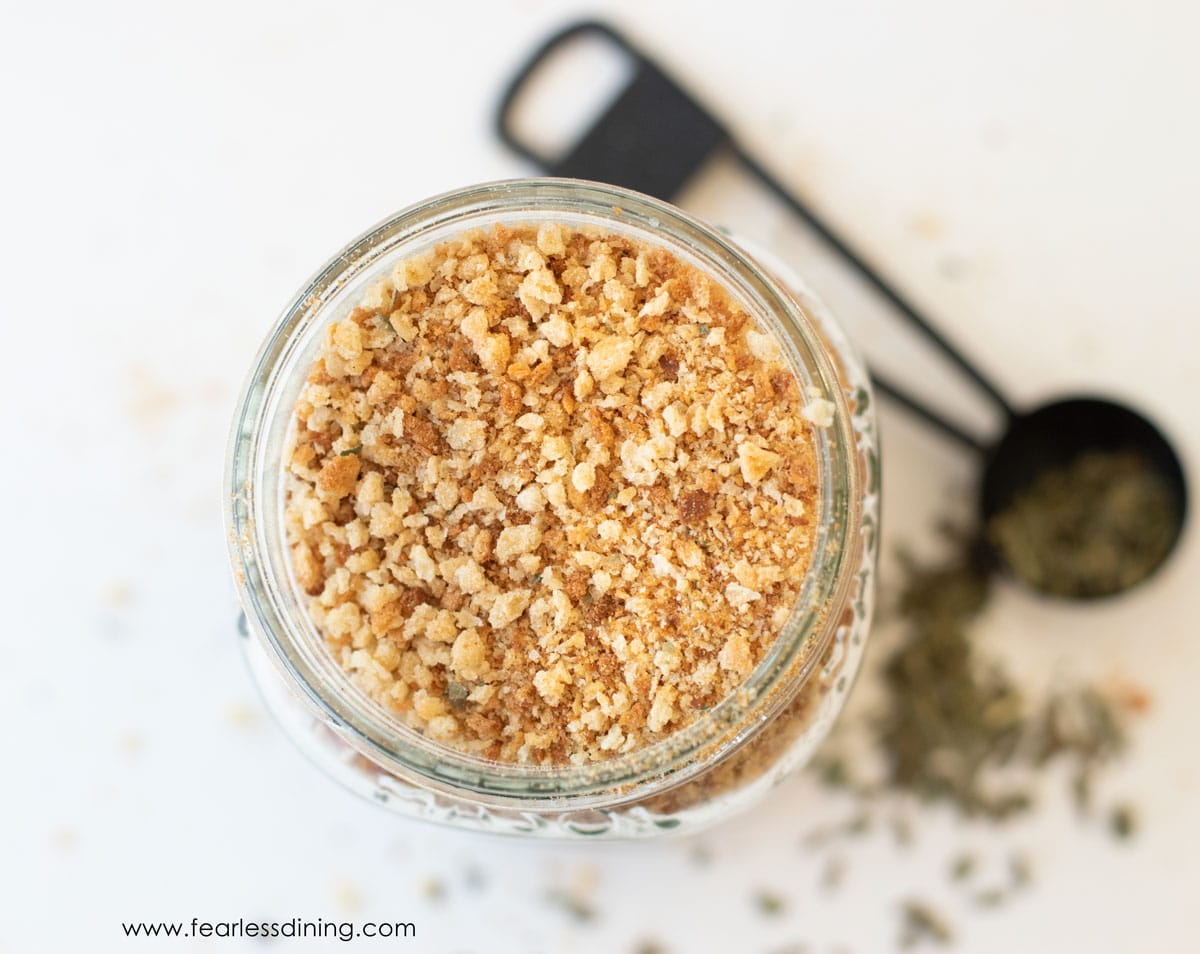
(551, 493)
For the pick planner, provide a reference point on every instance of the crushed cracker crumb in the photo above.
(550, 493)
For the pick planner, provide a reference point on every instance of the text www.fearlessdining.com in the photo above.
(293, 928)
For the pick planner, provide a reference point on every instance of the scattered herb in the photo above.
(575, 906)
(921, 923)
(859, 825)
(1092, 527)
(1123, 822)
(954, 728)
(1081, 790)
(351, 450)
(703, 329)
(834, 772)
(1081, 725)
(963, 867)
(769, 904)
(951, 719)
(947, 717)
(1080, 722)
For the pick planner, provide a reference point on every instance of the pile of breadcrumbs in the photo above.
(551, 493)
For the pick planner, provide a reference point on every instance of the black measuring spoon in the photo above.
(653, 138)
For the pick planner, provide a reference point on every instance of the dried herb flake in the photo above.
(769, 903)
(921, 923)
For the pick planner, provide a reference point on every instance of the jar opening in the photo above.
(276, 607)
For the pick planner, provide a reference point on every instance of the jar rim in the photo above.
(264, 584)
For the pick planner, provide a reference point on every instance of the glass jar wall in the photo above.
(718, 763)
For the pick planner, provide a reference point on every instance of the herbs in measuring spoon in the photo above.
(1092, 527)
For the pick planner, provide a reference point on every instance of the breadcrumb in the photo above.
(549, 493)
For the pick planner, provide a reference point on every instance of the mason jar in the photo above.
(721, 762)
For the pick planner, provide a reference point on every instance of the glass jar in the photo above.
(721, 762)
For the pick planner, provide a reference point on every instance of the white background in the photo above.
(171, 173)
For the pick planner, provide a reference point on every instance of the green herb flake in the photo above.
(937, 742)
(953, 721)
(579, 909)
(1081, 789)
(923, 923)
(963, 867)
(1123, 822)
(352, 450)
(860, 824)
(834, 772)
(769, 904)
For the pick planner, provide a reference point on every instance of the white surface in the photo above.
(171, 173)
